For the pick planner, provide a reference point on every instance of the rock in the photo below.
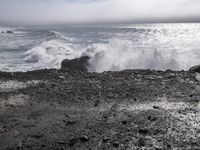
(141, 142)
(158, 148)
(116, 144)
(191, 96)
(73, 141)
(61, 142)
(155, 107)
(124, 122)
(151, 118)
(78, 64)
(2, 32)
(195, 69)
(84, 139)
(61, 77)
(96, 103)
(197, 76)
(105, 139)
(70, 123)
(9, 32)
(143, 131)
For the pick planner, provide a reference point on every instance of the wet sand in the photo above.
(132, 109)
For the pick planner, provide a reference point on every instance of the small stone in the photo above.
(150, 118)
(61, 142)
(116, 144)
(72, 142)
(105, 139)
(70, 123)
(141, 142)
(96, 103)
(191, 95)
(155, 107)
(67, 116)
(124, 122)
(158, 148)
(143, 131)
(61, 77)
(9, 32)
(84, 139)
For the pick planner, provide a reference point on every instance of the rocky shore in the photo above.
(73, 109)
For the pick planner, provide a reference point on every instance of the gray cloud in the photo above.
(89, 11)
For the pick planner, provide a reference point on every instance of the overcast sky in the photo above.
(95, 11)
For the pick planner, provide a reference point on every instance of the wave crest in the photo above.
(51, 52)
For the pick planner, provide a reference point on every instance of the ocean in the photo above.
(110, 47)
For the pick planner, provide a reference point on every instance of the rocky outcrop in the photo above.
(9, 32)
(195, 69)
(78, 64)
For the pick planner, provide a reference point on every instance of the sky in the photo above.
(98, 11)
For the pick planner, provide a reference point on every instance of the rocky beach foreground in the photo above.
(73, 109)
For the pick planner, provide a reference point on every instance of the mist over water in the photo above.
(111, 47)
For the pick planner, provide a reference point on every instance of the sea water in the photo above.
(110, 47)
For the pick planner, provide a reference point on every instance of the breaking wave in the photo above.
(115, 55)
(51, 52)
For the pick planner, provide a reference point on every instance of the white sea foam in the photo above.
(51, 52)
(123, 54)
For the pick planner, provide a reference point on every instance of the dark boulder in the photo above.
(2, 32)
(195, 69)
(9, 32)
(78, 64)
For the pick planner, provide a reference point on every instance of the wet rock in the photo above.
(195, 69)
(9, 32)
(78, 64)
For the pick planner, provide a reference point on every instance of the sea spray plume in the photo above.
(123, 54)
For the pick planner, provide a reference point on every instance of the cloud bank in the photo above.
(98, 11)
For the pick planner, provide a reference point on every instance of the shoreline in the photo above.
(71, 109)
